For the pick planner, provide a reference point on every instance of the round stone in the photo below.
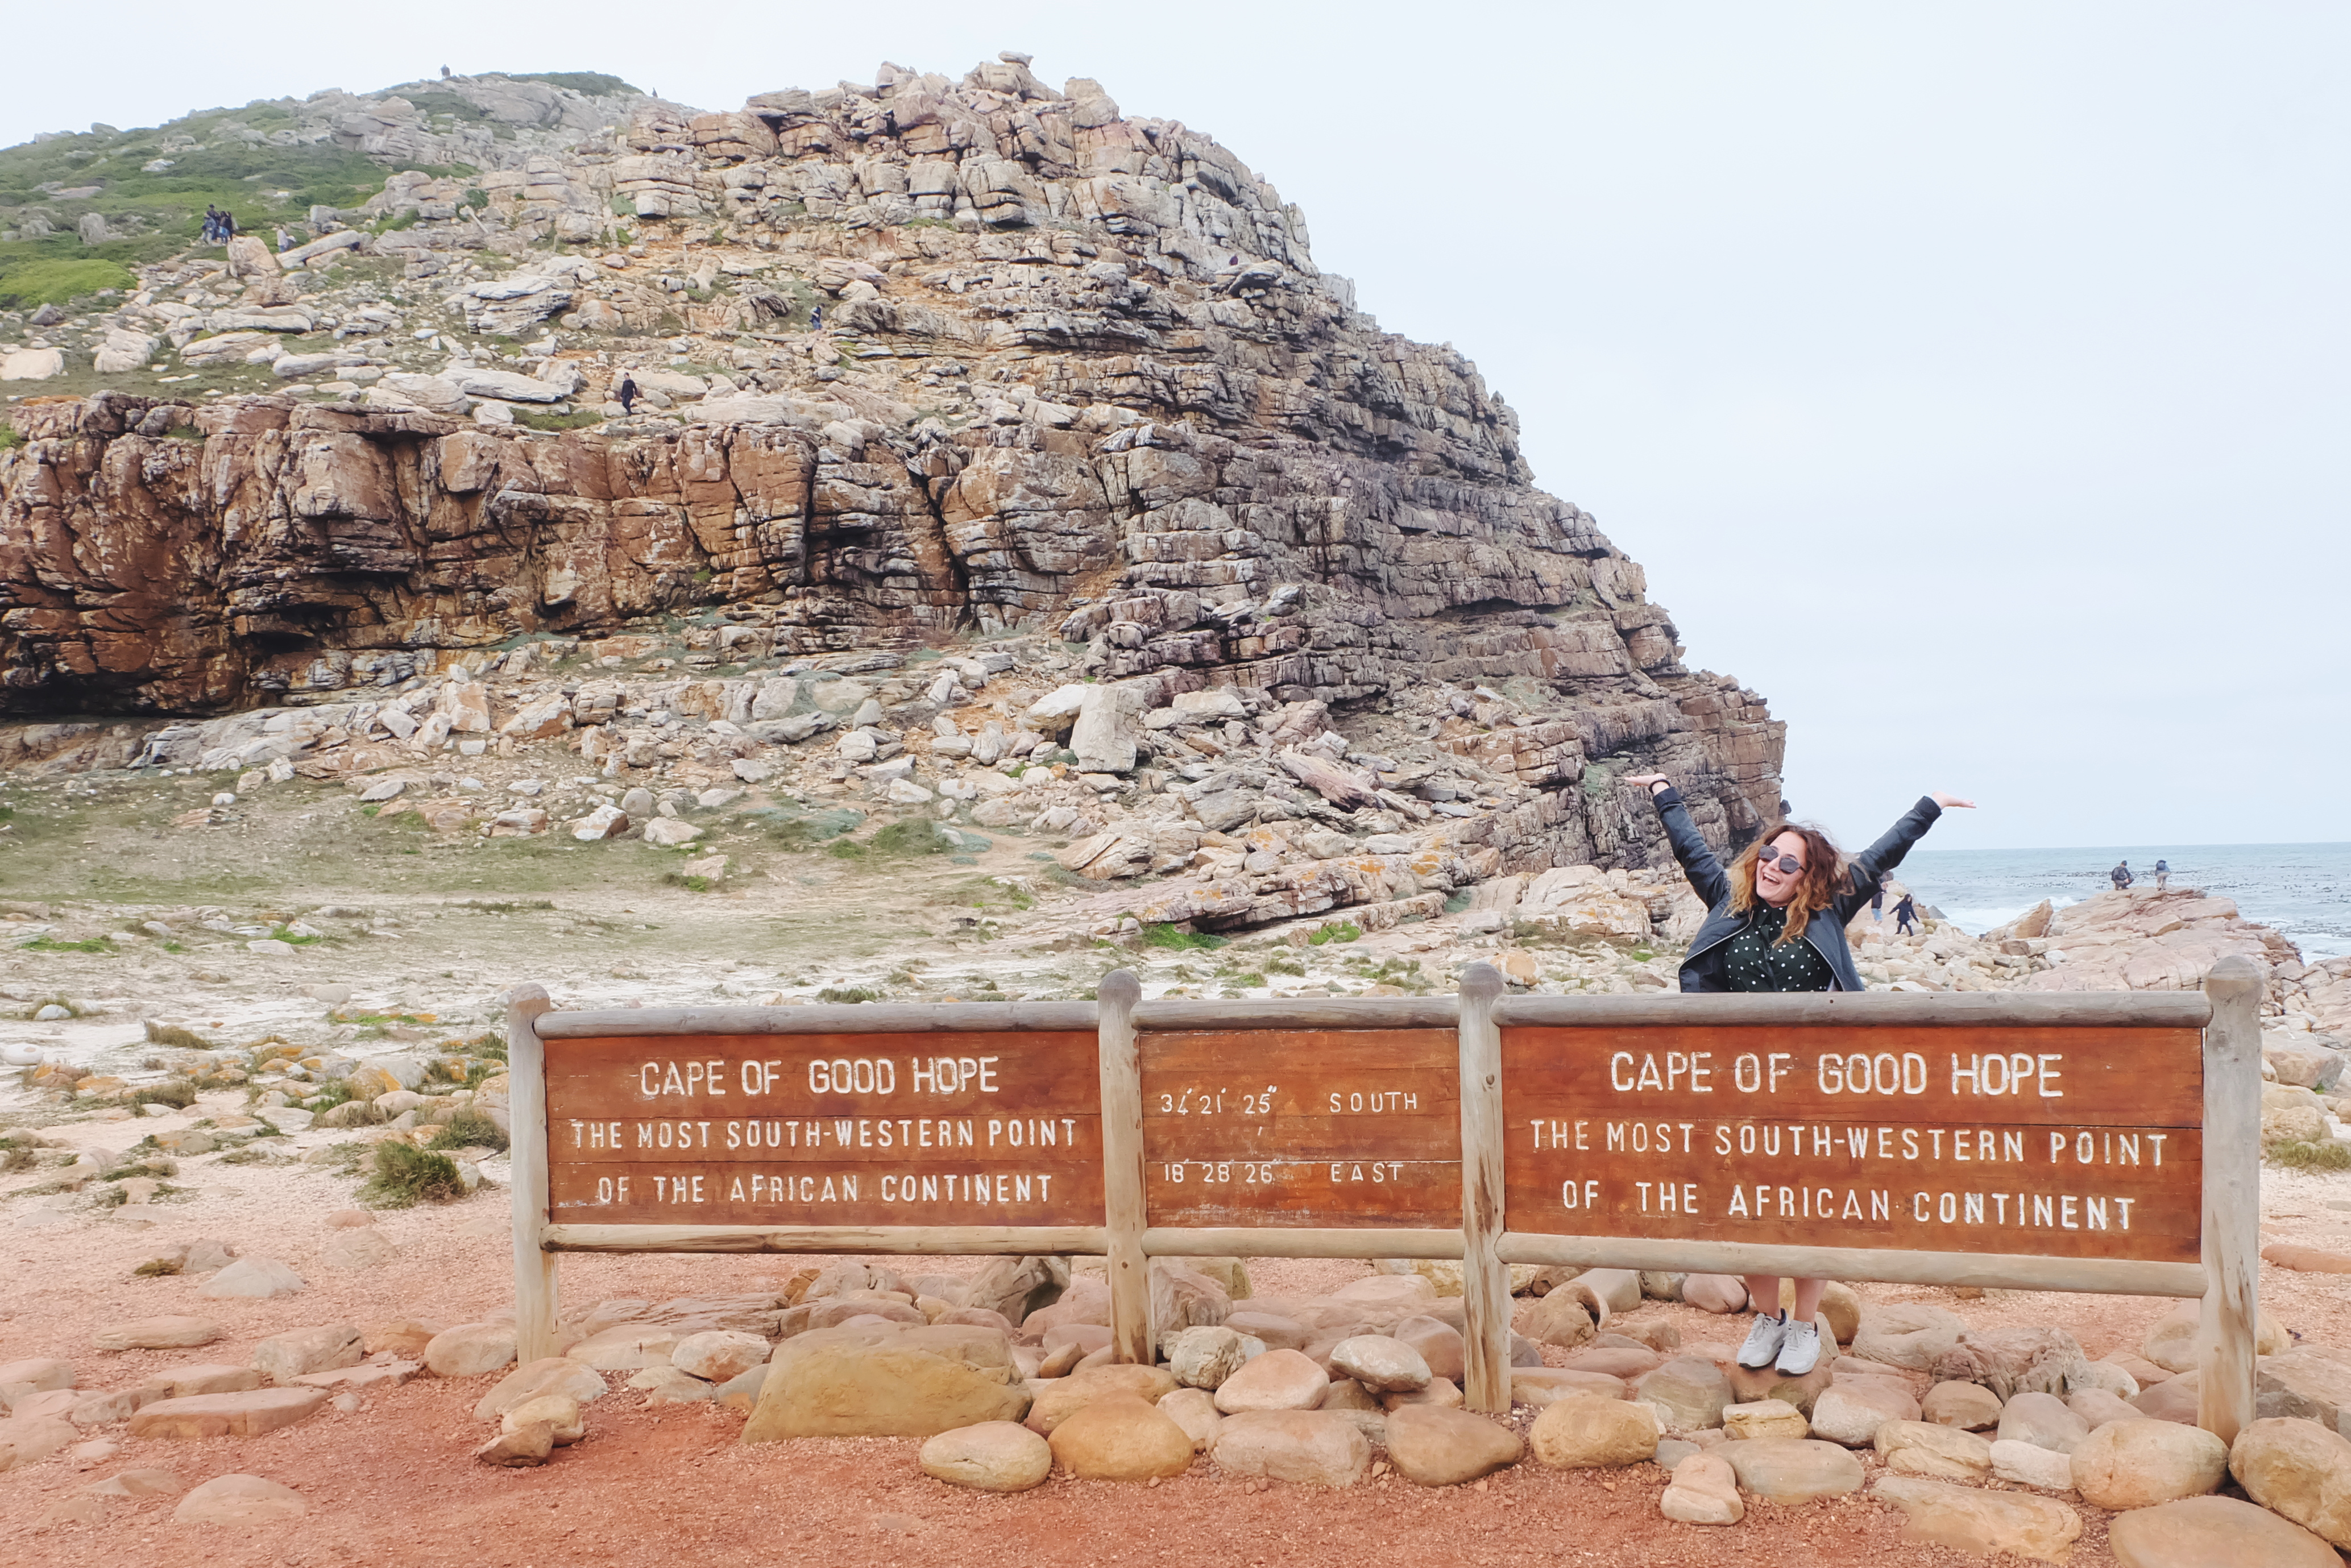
(994, 1456)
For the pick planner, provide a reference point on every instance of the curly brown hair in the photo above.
(1825, 874)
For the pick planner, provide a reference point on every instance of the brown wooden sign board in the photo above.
(975, 1128)
(2060, 1142)
(1322, 1128)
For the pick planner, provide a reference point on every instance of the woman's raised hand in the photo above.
(1648, 781)
(1947, 802)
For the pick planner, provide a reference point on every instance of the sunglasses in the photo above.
(1789, 865)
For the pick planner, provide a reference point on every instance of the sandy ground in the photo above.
(392, 1484)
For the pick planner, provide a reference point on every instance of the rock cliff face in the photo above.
(1077, 373)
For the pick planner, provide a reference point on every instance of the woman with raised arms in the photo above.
(1775, 922)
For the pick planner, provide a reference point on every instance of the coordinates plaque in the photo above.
(1301, 1127)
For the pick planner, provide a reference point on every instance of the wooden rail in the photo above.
(1878, 1063)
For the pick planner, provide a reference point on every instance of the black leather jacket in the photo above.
(1703, 970)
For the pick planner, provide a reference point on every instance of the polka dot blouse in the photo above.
(1756, 962)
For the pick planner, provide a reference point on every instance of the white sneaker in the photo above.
(1800, 1349)
(1763, 1340)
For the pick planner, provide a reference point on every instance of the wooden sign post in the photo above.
(2072, 1142)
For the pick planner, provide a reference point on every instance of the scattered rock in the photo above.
(353, 1250)
(719, 1356)
(1908, 1336)
(255, 1279)
(559, 1414)
(1720, 1293)
(2138, 1464)
(519, 1449)
(1560, 1319)
(1691, 1391)
(1204, 1357)
(1968, 1519)
(1278, 1379)
(1058, 1399)
(1764, 1418)
(283, 1358)
(1925, 1449)
(2026, 1466)
(532, 1380)
(2298, 1468)
(1585, 1432)
(1704, 1490)
(470, 1349)
(1380, 1363)
(1305, 1447)
(29, 1440)
(1195, 1410)
(1970, 1406)
(2043, 1421)
(1850, 1412)
(157, 1333)
(886, 1380)
(1792, 1470)
(208, 1379)
(993, 1455)
(1541, 1385)
(247, 1415)
(240, 1501)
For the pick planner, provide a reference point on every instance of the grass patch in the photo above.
(404, 1176)
(595, 84)
(691, 884)
(178, 1093)
(51, 944)
(16, 1155)
(28, 285)
(1169, 937)
(848, 994)
(282, 933)
(469, 1129)
(1338, 931)
(899, 841)
(578, 418)
(1284, 964)
(173, 1034)
(2295, 1154)
(59, 1000)
(156, 1269)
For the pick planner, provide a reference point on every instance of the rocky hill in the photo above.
(919, 363)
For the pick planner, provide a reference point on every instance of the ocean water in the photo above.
(2302, 890)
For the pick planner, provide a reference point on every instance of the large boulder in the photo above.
(1203, 1357)
(2012, 1361)
(2298, 1468)
(1122, 1437)
(284, 1357)
(240, 1503)
(1969, 1519)
(1380, 1363)
(2213, 1532)
(886, 1380)
(1925, 1449)
(249, 1414)
(1852, 1413)
(1704, 1490)
(1585, 1432)
(2310, 1381)
(1969, 1407)
(1278, 1379)
(1436, 1447)
(1560, 1319)
(555, 1375)
(2138, 1464)
(1792, 1470)
(1907, 1335)
(2043, 1420)
(1306, 1447)
(1058, 1398)
(470, 1349)
(994, 1456)
(1691, 1391)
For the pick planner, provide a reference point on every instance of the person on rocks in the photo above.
(625, 395)
(816, 318)
(2162, 875)
(211, 224)
(1775, 922)
(1905, 914)
(2121, 876)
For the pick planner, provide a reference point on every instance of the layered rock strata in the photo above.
(1080, 375)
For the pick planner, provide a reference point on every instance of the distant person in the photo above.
(2121, 876)
(227, 227)
(2162, 875)
(1775, 922)
(212, 223)
(1877, 902)
(285, 240)
(445, 73)
(816, 318)
(625, 395)
(1905, 914)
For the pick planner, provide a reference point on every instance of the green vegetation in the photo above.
(1286, 963)
(691, 884)
(2295, 1154)
(1337, 931)
(1169, 937)
(16, 1153)
(28, 284)
(179, 1092)
(848, 994)
(595, 84)
(899, 841)
(10, 438)
(404, 1176)
(173, 1034)
(469, 1129)
(578, 418)
(51, 944)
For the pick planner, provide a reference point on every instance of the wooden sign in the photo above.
(974, 1128)
(1321, 1128)
(2055, 1142)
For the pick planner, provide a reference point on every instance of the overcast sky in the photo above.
(1969, 378)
